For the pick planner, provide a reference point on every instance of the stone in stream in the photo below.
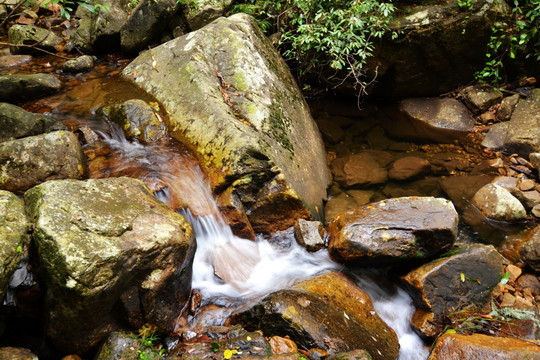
(309, 234)
(327, 311)
(32, 160)
(480, 98)
(137, 118)
(231, 98)
(80, 64)
(447, 284)
(520, 134)
(497, 203)
(15, 87)
(97, 239)
(13, 238)
(530, 251)
(429, 119)
(15, 123)
(479, 346)
(32, 35)
(393, 231)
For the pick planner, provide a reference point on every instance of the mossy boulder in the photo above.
(32, 160)
(99, 239)
(15, 123)
(203, 12)
(32, 35)
(13, 236)
(231, 98)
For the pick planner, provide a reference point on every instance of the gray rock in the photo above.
(80, 64)
(438, 287)
(137, 119)
(230, 97)
(480, 98)
(497, 203)
(13, 237)
(32, 35)
(520, 134)
(508, 104)
(204, 12)
(13, 353)
(429, 119)
(98, 239)
(24, 87)
(393, 231)
(309, 234)
(32, 160)
(16, 123)
(530, 251)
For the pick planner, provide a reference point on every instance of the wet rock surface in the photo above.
(32, 160)
(15, 123)
(393, 231)
(96, 239)
(310, 234)
(266, 152)
(478, 346)
(495, 202)
(15, 88)
(450, 283)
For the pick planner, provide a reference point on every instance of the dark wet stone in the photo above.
(438, 287)
(393, 230)
(15, 88)
(15, 123)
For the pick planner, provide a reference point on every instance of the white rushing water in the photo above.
(239, 270)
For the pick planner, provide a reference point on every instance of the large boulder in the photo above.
(393, 230)
(17, 87)
(328, 312)
(439, 47)
(479, 346)
(15, 123)
(429, 119)
(520, 134)
(13, 236)
(447, 284)
(32, 160)
(231, 98)
(108, 251)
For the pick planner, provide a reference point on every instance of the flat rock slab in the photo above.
(520, 134)
(393, 231)
(479, 346)
(15, 123)
(15, 88)
(13, 236)
(230, 97)
(32, 160)
(439, 287)
(98, 239)
(429, 119)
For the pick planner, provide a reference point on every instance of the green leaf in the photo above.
(215, 346)
(505, 278)
(19, 249)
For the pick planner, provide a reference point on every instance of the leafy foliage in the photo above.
(508, 41)
(324, 34)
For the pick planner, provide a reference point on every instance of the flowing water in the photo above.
(229, 270)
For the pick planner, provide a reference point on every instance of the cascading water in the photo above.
(231, 270)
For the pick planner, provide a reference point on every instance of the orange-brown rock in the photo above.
(480, 347)
(358, 170)
(393, 230)
(281, 345)
(408, 168)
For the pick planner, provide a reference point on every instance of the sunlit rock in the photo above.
(309, 234)
(15, 87)
(13, 237)
(203, 12)
(480, 98)
(530, 251)
(520, 134)
(479, 346)
(15, 123)
(32, 160)
(393, 231)
(32, 35)
(497, 203)
(447, 284)
(137, 118)
(328, 312)
(96, 239)
(429, 119)
(13, 353)
(230, 97)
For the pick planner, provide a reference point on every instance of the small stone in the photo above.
(80, 64)
(317, 354)
(309, 234)
(496, 202)
(488, 117)
(508, 300)
(514, 271)
(281, 345)
(522, 303)
(508, 104)
(527, 184)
